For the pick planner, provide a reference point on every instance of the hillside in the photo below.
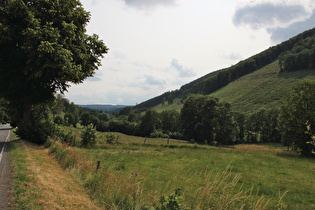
(297, 50)
(264, 88)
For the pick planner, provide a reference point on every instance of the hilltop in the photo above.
(260, 81)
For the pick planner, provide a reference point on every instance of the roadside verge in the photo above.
(40, 182)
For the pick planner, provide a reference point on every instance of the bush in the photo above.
(58, 120)
(175, 135)
(173, 201)
(165, 136)
(110, 138)
(156, 134)
(66, 136)
(88, 136)
(37, 132)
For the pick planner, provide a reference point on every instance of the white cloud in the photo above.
(269, 15)
(150, 4)
(281, 33)
(281, 19)
(182, 71)
(153, 80)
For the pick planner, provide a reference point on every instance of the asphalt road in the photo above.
(5, 131)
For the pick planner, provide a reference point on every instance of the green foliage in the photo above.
(169, 121)
(43, 48)
(69, 119)
(158, 134)
(110, 138)
(173, 201)
(58, 120)
(40, 127)
(298, 110)
(206, 120)
(4, 111)
(309, 132)
(66, 136)
(88, 136)
(149, 123)
(85, 118)
(170, 99)
(301, 57)
(59, 104)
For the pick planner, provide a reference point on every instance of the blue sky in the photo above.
(160, 45)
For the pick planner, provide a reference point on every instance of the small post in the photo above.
(98, 165)
(145, 140)
(168, 140)
(117, 139)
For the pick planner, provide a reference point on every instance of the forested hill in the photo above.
(293, 54)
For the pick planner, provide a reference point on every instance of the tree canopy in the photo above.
(296, 114)
(43, 48)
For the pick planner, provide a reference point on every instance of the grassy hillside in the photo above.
(295, 54)
(264, 88)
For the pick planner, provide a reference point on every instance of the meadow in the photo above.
(135, 173)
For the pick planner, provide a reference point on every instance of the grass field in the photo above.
(264, 88)
(136, 175)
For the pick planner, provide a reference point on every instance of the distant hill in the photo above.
(297, 50)
(110, 109)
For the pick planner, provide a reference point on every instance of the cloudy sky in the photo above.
(160, 45)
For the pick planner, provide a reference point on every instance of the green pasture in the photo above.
(135, 172)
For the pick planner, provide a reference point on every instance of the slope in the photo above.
(264, 88)
(292, 48)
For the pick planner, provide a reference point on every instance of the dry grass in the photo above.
(52, 188)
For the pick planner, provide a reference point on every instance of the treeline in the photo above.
(4, 110)
(301, 57)
(218, 79)
(203, 119)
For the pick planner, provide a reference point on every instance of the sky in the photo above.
(157, 46)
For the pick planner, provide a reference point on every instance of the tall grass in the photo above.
(135, 176)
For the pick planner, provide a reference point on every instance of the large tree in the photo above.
(296, 114)
(43, 48)
(206, 120)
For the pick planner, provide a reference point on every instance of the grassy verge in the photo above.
(135, 175)
(40, 183)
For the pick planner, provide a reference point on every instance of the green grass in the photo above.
(264, 88)
(134, 174)
(176, 105)
(23, 182)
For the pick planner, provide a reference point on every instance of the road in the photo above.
(5, 131)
